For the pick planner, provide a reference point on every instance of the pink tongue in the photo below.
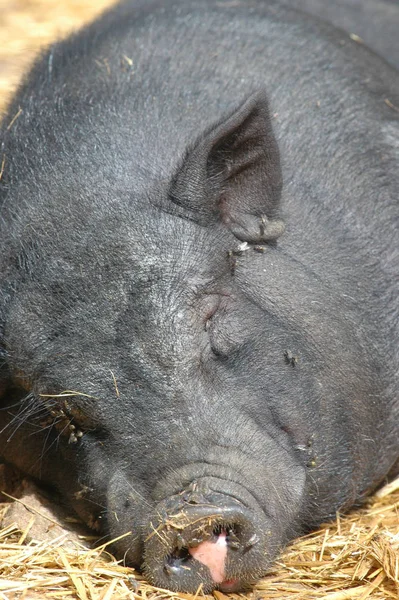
(213, 555)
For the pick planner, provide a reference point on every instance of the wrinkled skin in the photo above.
(199, 281)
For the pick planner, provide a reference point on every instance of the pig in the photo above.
(373, 22)
(199, 281)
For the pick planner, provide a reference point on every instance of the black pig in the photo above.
(375, 22)
(199, 281)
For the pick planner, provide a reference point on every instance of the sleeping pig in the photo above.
(199, 281)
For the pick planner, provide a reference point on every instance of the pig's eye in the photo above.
(67, 416)
(221, 343)
(216, 348)
(219, 325)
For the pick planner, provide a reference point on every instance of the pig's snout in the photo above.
(194, 541)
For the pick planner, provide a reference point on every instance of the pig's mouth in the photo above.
(212, 553)
(214, 544)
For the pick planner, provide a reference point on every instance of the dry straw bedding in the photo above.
(356, 557)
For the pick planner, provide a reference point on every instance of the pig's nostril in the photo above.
(232, 539)
(177, 560)
(232, 533)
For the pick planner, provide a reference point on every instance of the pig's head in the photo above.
(164, 400)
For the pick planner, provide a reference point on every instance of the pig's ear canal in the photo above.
(232, 173)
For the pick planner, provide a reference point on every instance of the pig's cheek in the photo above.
(213, 555)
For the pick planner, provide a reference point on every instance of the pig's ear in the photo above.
(233, 173)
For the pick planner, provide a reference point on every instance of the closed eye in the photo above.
(218, 326)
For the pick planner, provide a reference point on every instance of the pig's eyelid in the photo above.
(209, 317)
(211, 335)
